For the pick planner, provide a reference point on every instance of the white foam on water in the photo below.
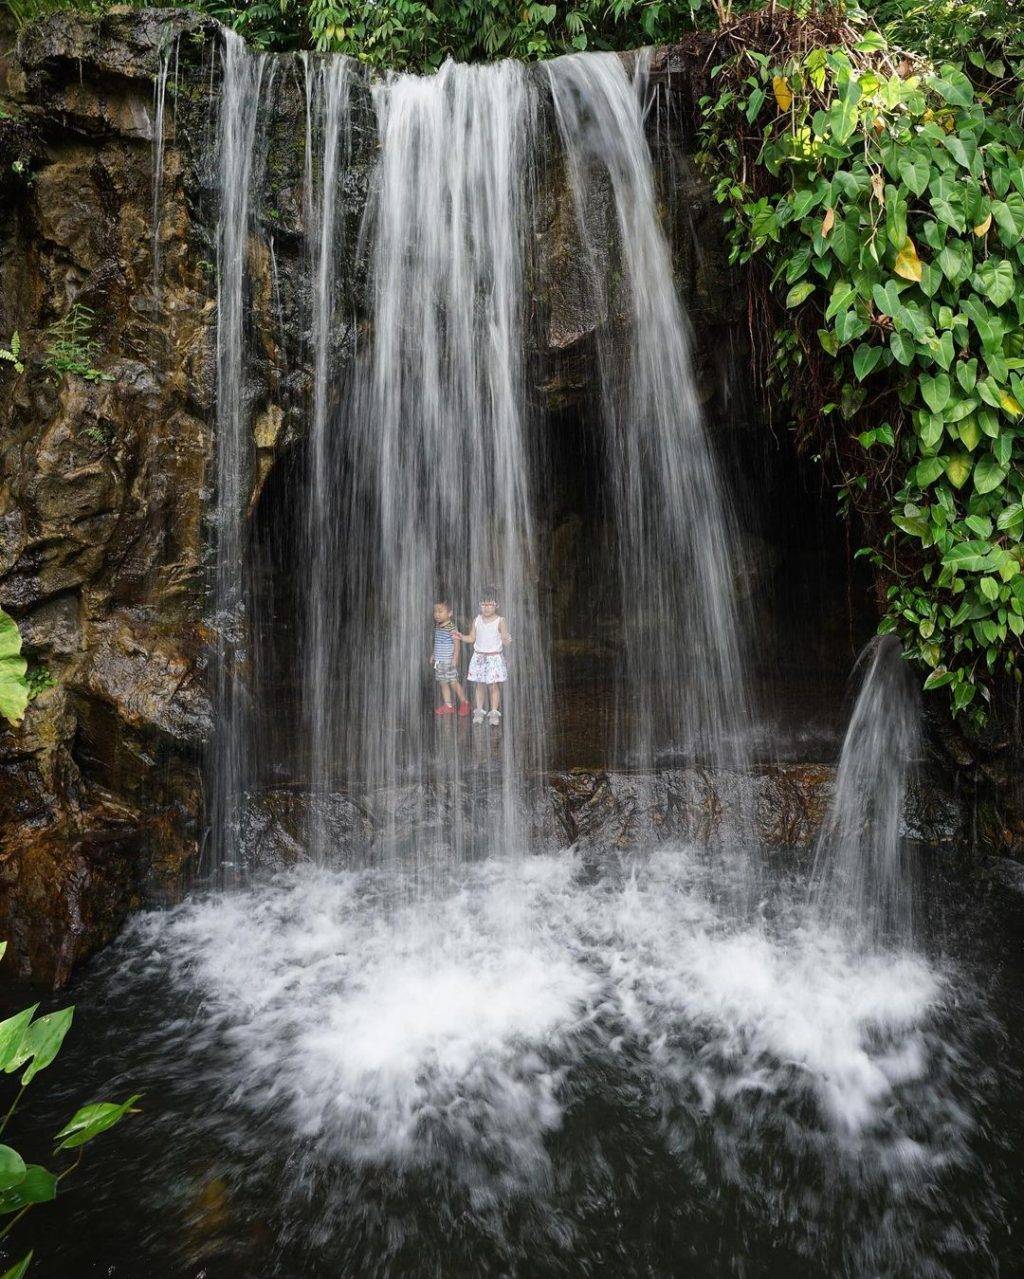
(454, 1032)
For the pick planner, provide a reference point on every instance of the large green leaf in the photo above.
(996, 280)
(14, 688)
(988, 474)
(19, 1271)
(38, 1186)
(91, 1120)
(12, 1168)
(915, 171)
(1009, 215)
(928, 471)
(12, 1031)
(41, 1043)
(799, 293)
(843, 114)
(936, 392)
(975, 557)
(958, 468)
(864, 360)
(953, 85)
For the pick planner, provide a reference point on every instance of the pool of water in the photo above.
(646, 1066)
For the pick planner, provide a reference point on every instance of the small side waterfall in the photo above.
(862, 880)
(159, 140)
(242, 87)
(683, 688)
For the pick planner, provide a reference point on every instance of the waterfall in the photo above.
(159, 140)
(328, 146)
(242, 86)
(429, 466)
(862, 879)
(683, 689)
(423, 461)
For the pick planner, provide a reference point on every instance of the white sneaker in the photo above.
(478, 716)
(494, 717)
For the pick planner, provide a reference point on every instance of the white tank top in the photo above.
(488, 636)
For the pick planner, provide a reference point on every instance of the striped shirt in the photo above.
(444, 643)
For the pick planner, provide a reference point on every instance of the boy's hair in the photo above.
(489, 593)
(444, 601)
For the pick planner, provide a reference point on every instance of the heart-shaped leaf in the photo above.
(936, 391)
(988, 474)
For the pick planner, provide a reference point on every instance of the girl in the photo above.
(488, 635)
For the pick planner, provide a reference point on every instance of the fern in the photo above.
(10, 354)
(71, 347)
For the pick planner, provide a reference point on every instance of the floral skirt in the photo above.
(487, 668)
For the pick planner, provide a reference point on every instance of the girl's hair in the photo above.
(488, 594)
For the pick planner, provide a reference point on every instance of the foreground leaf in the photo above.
(38, 1186)
(91, 1120)
(41, 1043)
(12, 1168)
(12, 1032)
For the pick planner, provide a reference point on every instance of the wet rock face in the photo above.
(589, 810)
(103, 466)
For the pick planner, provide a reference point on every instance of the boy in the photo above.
(445, 660)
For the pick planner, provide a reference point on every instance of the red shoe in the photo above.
(444, 710)
(464, 708)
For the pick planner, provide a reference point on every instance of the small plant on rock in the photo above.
(12, 354)
(71, 348)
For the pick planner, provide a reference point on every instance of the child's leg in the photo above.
(478, 696)
(458, 690)
(446, 693)
(495, 690)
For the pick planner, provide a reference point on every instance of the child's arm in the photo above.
(506, 638)
(471, 637)
(456, 637)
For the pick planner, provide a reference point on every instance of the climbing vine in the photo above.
(883, 197)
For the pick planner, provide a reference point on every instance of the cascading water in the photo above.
(423, 464)
(244, 79)
(862, 880)
(328, 146)
(159, 140)
(425, 476)
(683, 688)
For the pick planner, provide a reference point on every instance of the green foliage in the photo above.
(890, 211)
(420, 35)
(11, 354)
(39, 680)
(70, 346)
(26, 12)
(14, 687)
(33, 1043)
